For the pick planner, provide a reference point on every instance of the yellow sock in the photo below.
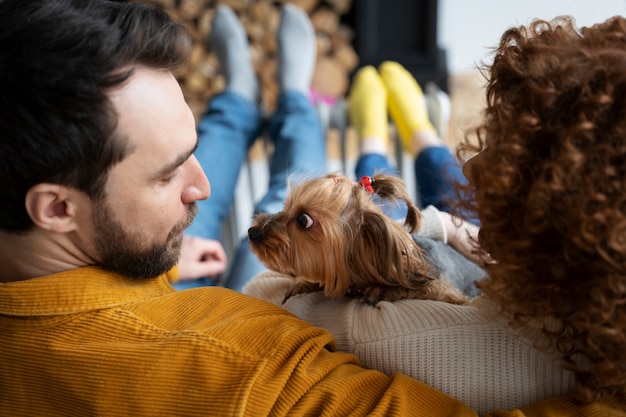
(367, 104)
(407, 106)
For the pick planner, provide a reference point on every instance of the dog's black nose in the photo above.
(255, 233)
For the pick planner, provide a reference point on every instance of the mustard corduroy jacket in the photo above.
(90, 343)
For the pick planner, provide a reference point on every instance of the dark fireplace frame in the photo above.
(399, 30)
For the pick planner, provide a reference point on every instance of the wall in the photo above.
(467, 29)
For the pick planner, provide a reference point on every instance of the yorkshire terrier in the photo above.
(333, 236)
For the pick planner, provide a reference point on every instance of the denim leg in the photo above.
(225, 133)
(299, 149)
(438, 173)
(370, 163)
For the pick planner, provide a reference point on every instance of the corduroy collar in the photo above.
(76, 290)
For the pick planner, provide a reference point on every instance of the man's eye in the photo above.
(170, 178)
(304, 220)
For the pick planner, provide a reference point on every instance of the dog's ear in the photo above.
(327, 259)
(413, 219)
(384, 252)
(392, 188)
(376, 250)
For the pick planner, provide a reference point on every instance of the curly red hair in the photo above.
(549, 188)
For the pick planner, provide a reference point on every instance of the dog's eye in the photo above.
(304, 220)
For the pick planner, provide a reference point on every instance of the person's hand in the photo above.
(200, 258)
(463, 236)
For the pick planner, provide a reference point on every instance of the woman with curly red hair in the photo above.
(549, 186)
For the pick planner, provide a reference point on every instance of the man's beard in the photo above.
(126, 254)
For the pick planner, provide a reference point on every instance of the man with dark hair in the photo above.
(98, 181)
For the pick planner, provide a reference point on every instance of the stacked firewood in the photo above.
(336, 58)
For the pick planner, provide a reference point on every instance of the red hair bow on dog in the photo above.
(366, 182)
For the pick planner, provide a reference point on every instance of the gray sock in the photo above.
(297, 49)
(230, 43)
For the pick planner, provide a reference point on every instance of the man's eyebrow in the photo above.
(176, 163)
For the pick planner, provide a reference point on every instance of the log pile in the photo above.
(336, 58)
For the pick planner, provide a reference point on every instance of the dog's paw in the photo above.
(374, 294)
(455, 298)
(369, 295)
(302, 287)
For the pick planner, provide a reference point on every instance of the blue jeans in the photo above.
(437, 173)
(225, 134)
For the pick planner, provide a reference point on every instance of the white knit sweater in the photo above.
(467, 352)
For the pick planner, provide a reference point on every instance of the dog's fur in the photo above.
(334, 237)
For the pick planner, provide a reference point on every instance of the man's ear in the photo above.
(52, 207)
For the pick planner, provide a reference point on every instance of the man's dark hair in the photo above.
(58, 61)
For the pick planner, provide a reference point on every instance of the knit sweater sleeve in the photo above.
(432, 225)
